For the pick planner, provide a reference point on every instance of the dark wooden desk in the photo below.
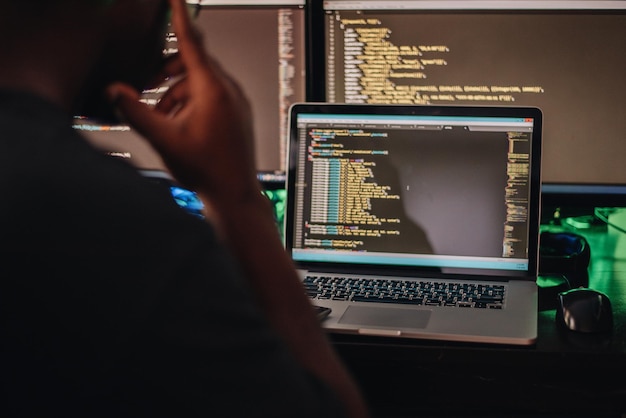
(562, 375)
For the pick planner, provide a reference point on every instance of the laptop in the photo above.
(417, 221)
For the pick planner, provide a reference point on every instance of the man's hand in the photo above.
(202, 126)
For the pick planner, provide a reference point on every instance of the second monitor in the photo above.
(565, 57)
(262, 45)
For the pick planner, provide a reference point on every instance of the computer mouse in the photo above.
(584, 310)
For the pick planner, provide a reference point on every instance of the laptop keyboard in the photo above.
(427, 293)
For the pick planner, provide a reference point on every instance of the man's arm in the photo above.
(203, 130)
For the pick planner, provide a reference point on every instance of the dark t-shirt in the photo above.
(116, 302)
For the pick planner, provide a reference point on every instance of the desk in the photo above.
(562, 375)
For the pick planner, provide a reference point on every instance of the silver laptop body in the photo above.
(417, 221)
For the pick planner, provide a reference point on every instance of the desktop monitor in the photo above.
(262, 45)
(565, 57)
(273, 185)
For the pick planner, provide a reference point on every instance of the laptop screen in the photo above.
(453, 188)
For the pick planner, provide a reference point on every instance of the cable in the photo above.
(597, 212)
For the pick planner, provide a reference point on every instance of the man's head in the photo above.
(70, 50)
(133, 52)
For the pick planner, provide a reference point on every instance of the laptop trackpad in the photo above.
(385, 317)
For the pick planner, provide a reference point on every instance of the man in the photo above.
(114, 301)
